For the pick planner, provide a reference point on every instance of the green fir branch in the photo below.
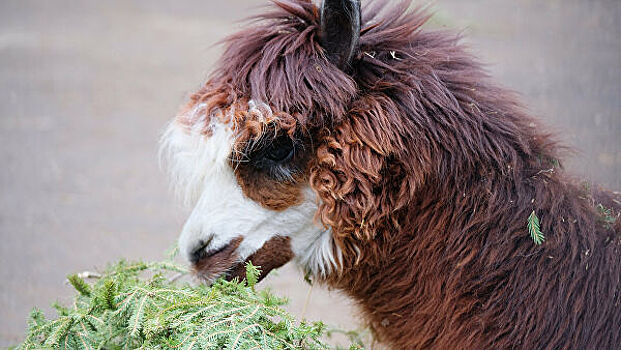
(107, 294)
(79, 285)
(606, 216)
(138, 306)
(252, 274)
(534, 229)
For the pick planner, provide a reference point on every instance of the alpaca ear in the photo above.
(340, 30)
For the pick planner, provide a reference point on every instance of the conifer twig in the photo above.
(137, 306)
(534, 229)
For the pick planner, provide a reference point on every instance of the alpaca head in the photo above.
(276, 155)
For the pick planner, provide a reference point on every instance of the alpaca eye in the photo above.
(281, 150)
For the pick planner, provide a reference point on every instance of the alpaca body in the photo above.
(384, 160)
(450, 281)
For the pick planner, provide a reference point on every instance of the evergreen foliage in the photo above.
(606, 216)
(137, 306)
(534, 229)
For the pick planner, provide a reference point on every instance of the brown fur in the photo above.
(427, 172)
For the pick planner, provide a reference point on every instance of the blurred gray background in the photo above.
(86, 87)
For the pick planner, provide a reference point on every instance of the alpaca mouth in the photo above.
(225, 261)
(208, 265)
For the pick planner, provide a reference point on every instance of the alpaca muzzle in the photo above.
(209, 265)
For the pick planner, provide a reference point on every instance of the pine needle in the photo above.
(252, 274)
(606, 216)
(108, 292)
(534, 229)
(79, 285)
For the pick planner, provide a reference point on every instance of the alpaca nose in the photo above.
(201, 251)
(205, 252)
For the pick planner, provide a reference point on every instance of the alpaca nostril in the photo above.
(202, 252)
(199, 251)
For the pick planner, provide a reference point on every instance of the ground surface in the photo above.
(87, 86)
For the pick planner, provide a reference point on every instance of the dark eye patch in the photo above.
(277, 155)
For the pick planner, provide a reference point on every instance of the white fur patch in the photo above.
(200, 171)
(316, 252)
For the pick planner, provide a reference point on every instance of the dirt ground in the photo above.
(86, 87)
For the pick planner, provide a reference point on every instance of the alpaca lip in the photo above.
(209, 265)
(273, 254)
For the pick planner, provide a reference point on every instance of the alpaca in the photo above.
(383, 160)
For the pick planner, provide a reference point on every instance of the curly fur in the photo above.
(427, 172)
